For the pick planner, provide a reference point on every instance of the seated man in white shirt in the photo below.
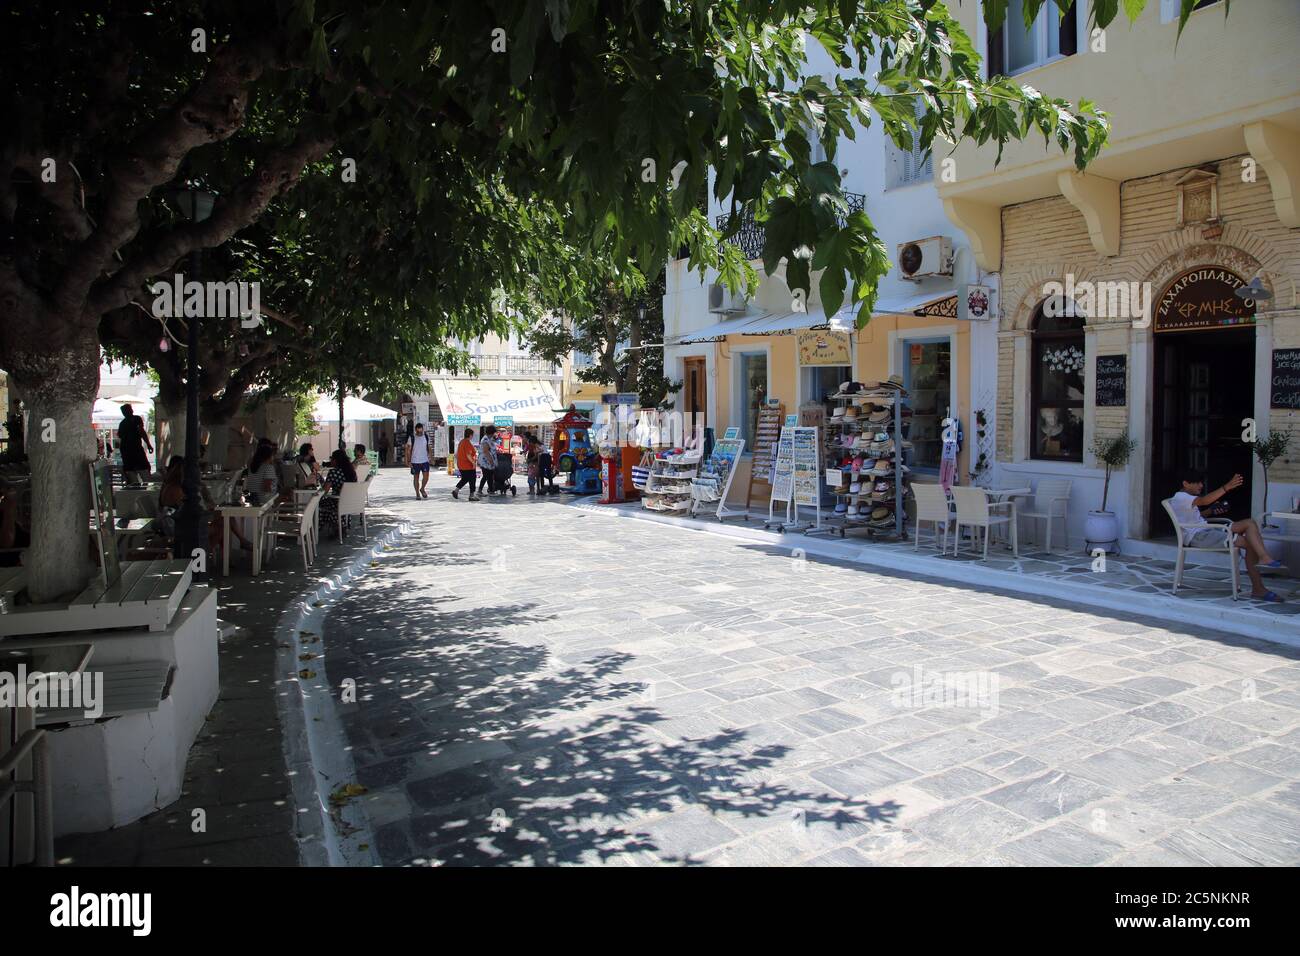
(1245, 533)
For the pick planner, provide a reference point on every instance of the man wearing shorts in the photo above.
(1245, 533)
(417, 453)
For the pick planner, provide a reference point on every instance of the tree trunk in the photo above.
(170, 413)
(58, 387)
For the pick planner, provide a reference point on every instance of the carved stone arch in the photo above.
(1031, 291)
(1235, 250)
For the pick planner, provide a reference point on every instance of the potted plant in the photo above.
(1269, 450)
(1101, 528)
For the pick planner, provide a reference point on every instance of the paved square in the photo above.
(543, 685)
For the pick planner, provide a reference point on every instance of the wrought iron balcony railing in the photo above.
(751, 235)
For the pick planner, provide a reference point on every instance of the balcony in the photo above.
(751, 235)
(516, 366)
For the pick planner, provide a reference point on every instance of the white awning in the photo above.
(354, 410)
(529, 401)
(770, 323)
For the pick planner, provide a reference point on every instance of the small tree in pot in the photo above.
(1269, 450)
(1113, 452)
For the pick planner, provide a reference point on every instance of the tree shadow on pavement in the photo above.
(477, 747)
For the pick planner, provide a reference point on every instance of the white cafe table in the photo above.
(258, 515)
(1007, 496)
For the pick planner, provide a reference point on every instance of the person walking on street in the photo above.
(465, 464)
(132, 440)
(383, 448)
(417, 453)
(487, 459)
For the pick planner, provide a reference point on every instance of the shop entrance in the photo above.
(695, 394)
(927, 375)
(1204, 387)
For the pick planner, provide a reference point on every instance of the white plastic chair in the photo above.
(1051, 500)
(352, 501)
(300, 526)
(974, 510)
(1187, 533)
(932, 506)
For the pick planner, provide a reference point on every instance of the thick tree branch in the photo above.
(278, 172)
(212, 111)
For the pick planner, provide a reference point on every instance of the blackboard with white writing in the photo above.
(1285, 390)
(1112, 381)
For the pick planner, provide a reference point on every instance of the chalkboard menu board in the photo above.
(1285, 391)
(1112, 381)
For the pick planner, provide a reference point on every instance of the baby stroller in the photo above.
(504, 474)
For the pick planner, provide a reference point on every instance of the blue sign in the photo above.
(503, 421)
(463, 420)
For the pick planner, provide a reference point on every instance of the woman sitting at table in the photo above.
(340, 471)
(263, 476)
(172, 496)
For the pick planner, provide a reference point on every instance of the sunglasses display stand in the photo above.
(853, 434)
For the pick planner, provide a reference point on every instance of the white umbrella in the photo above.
(130, 400)
(354, 410)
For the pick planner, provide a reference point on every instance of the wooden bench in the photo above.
(147, 595)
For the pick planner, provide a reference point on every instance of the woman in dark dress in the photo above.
(132, 439)
(340, 471)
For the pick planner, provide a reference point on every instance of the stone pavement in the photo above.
(543, 684)
(236, 769)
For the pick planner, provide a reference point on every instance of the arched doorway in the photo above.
(1203, 386)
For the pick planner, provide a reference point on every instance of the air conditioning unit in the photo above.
(723, 301)
(925, 257)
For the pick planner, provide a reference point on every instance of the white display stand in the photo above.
(721, 463)
(668, 488)
(806, 479)
(782, 480)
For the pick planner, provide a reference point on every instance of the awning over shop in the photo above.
(769, 323)
(941, 303)
(529, 401)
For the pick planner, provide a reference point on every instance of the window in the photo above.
(904, 167)
(751, 370)
(583, 360)
(1014, 49)
(928, 381)
(1057, 381)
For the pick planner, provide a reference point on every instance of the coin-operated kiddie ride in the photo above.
(574, 456)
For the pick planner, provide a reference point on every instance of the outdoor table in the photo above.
(258, 515)
(1007, 496)
(1286, 530)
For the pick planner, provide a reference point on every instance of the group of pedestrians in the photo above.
(477, 463)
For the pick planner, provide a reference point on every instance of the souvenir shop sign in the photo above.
(806, 466)
(1285, 389)
(823, 347)
(472, 420)
(1204, 298)
(1112, 381)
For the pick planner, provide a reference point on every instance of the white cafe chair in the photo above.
(1217, 536)
(1051, 501)
(931, 506)
(974, 510)
(352, 501)
(300, 526)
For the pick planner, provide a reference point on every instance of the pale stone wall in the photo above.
(1047, 239)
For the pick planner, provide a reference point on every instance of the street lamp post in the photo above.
(195, 205)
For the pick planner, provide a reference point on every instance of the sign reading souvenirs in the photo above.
(1112, 381)
(1204, 298)
(1285, 389)
(823, 347)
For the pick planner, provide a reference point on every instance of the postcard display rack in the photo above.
(795, 473)
(881, 478)
(713, 482)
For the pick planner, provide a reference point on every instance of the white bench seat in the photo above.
(129, 688)
(147, 595)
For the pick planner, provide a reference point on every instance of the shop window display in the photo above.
(929, 380)
(1058, 387)
(753, 381)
